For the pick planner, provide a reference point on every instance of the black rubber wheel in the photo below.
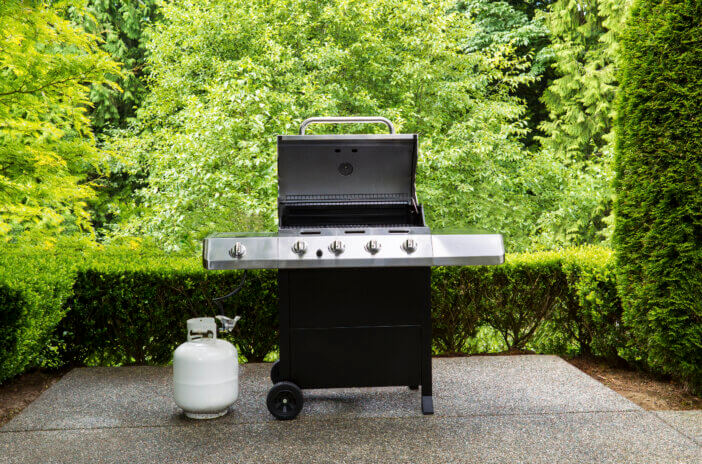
(275, 372)
(414, 387)
(284, 400)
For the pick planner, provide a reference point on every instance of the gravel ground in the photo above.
(488, 409)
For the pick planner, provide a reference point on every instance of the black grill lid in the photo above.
(365, 168)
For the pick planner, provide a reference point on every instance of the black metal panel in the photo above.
(351, 297)
(284, 321)
(356, 357)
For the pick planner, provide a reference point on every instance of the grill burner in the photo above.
(354, 256)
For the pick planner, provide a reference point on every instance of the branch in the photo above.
(48, 84)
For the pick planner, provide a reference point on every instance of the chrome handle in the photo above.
(346, 120)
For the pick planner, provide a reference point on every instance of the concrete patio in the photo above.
(488, 409)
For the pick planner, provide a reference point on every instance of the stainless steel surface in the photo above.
(334, 230)
(276, 252)
(468, 249)
(355, 254)
(322, 169)
(262, 252)
(346, 120)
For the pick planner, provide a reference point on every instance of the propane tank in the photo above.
(206, 370)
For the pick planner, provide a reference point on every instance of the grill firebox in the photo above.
(354, 256)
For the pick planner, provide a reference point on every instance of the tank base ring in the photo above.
(209, 415)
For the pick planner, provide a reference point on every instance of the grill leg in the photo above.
(427, 404)
(427, 400)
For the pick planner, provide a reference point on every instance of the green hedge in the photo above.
(33, 290)
(562, 302)
(658, 212)
(513, 299)
(521, 294)
(130, 306)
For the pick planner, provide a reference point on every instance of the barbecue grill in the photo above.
(354, 256)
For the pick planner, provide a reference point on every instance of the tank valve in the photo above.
(227, 323)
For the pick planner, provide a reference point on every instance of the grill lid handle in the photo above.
(346, 120)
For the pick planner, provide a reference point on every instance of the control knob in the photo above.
(299, 247)
(238, 250)
(336, 247)
(409, 245)
(372, 247)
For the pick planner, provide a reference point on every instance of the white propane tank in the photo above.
(206, 370)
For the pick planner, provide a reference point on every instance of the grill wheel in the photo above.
(284, 400)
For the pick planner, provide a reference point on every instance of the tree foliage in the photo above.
(122, 25)
(584, 45)
(498, 23)
(46, 143)
(658, 235)
(222, 88)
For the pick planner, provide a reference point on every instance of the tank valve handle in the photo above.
(227, 323)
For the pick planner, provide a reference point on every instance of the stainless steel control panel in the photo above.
(239, 251)
(354, 251)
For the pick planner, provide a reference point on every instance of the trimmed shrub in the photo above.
(592, 311)
(455, 313)
(519, 295)
(131, 308)
(34, 285)
(562, 302)
(658, 211)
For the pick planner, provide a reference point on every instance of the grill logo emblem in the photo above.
(345, 168)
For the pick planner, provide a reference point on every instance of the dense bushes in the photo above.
(33, 289)
(547, 301)
(593, 308)
(658, 233)
(131, 308)
(125, 306)
(455, 309)
(520, 295)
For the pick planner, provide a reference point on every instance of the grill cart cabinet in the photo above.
(354, 257)
(356, 328)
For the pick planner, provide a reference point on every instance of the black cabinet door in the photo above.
(356, 357)
(320, 298)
